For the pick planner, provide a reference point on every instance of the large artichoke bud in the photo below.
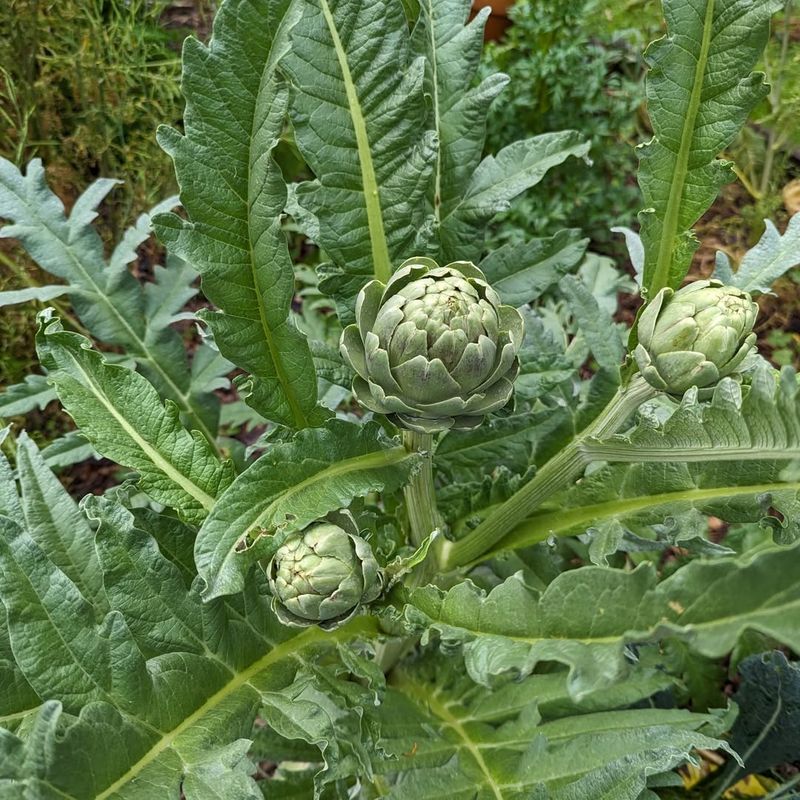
(695, 336)
(322, 575)
(434, 348)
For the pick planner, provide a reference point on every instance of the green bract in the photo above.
(434, 348)
(695, 336)
(322, 575)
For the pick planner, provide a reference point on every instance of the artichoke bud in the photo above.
(434, 348)
(695, 336)
(322, 575)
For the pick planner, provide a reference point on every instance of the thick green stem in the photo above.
(419, 493)
(557, 473)
(423, 517)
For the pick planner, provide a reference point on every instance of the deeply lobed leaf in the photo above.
(707, 603)
(123, 417)
(234, 194)
(700, 90)
(358, 113)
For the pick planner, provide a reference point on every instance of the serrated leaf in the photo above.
(150, 591)
(55, 638)
(756, 423)
(17, 698)
(106, 297)
(594, 324)
(121, 414)
(128, 727)
(520, 273)
(708, 604)
(458, 106)
(452, 738)
(498, 180)
(223, 773)
(350, 64)
(234, 195)
(698, 98)
(291, 485)
(499, 442)
(53, 521)
(772, 257)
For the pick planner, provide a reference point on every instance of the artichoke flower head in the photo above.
(695, 336)
(434, 348)
(323, 574)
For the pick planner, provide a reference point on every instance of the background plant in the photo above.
(83, 85)
(566, 71)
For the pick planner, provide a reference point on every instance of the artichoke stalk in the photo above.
(695, 336)
(322, 575)
(434, 348)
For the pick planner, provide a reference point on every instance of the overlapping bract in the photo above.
(322, 576)
(695, 336)
(434, 348)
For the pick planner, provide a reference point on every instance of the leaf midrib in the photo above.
(538, 528)
(380, 249)
(638, 635)
(311, 635)
(434, 61)
(634, 452)
(178, 478)
(182, 398)
(441, 710)
(676, 189)
(295, 407)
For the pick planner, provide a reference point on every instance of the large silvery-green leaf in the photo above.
(234, 194)
(760, 422)
(653, 506)
(465, 193)
(452, 738)
(293, 484)
(52, 517)
(163, 690)
(359, 117)
(458, 108)
(121, 414)
(772, 257)
(520, 273)
(108, 300)
(497, 181)
(700, 90)
(707, 603)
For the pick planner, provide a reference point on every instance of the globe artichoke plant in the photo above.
(434, 348)
(322, 575)
(695, 336)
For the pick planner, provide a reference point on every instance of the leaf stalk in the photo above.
(559, 471)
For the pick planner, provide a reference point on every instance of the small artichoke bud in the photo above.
(322, 575)
(695, 336)
(434, 348)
